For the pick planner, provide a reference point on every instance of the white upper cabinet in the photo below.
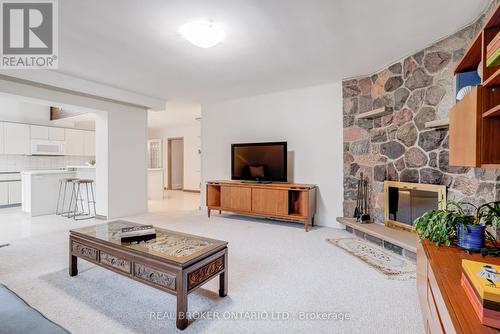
(75, 142)
(1, 138)
(16, 138)
(39, 132)
(89, 147)
(56, 134)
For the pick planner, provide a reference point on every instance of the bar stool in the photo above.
(63, 185)
(77, 186)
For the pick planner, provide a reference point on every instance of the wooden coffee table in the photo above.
(174, 262)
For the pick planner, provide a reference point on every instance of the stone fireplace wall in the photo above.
(398, 147)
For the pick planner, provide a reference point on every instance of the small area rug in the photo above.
(16, 316)
(392, 265)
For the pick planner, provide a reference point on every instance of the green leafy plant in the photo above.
(440, 226)
(489, 213)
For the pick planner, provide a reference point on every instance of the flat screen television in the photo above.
(263, 162)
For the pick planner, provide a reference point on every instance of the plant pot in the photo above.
(471, 236)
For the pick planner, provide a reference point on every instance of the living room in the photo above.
(319, 166)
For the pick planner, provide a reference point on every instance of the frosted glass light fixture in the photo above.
(203, 34)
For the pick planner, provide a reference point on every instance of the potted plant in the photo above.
(468, 227)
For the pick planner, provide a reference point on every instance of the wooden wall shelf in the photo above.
(440, 123)
(493, 112)
(280, 200)
(493, 80)
(475, 120)
(376, 113)
(472, 56)
(474, 135)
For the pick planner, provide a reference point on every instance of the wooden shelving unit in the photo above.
(475, 120)
(279, 200)
(472, 56)
(493, 80)
(493, 112)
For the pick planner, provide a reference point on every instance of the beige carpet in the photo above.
(273, 267)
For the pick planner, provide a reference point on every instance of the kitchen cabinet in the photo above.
(46, 133)
(14, 191)
(75, 142)
(155, 183)
(4, 193)
(16, 138)
(89, 143)
(1, 139)
(41, 190)
(56, 134)
(39, 132)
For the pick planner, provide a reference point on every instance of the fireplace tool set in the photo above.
(361, 211)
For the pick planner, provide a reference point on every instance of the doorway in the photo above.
(175, 163)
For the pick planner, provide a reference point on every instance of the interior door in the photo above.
(236, 198)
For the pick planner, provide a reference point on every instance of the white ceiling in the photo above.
(270, 44)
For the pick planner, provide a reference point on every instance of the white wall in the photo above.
(309, 119)
(127, 162)
(102, 168)
(190, 132)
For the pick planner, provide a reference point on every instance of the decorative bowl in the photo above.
(464, 91)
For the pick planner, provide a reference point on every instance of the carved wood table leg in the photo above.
(182, 303)
(73, 265)
(306, 225)
(73, 261)
(223, 279)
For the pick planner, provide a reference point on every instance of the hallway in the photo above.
(175, 200)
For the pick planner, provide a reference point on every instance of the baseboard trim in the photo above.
(9, 205)
(191, 191)
(101, 217)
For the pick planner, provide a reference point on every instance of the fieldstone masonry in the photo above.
(398, 147)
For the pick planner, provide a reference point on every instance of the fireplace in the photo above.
(405, 201)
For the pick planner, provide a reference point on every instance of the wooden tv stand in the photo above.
(281, 200)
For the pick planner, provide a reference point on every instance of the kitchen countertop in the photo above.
(81, 167)
(46, 172)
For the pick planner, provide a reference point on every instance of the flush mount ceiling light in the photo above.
(203, 34)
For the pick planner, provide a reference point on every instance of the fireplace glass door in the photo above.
(405, 202)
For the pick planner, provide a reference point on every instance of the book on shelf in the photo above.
(138, 233)
(481, 283)
(493, 44)
(494, 59)
(491, 48)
